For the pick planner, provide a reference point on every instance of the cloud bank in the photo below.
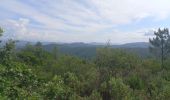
(120, 21)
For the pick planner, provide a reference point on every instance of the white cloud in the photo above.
(124, 11)
(86, 21)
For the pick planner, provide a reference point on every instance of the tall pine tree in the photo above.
(160, 44)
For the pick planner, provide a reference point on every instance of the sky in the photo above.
(120, 21)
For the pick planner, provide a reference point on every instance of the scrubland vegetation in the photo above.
(33, 73)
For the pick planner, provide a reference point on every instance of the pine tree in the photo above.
(160, 45)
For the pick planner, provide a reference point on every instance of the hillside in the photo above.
(87, 51)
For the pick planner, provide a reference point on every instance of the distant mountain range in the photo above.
(82, 44)
(133, 45)
(88, 50)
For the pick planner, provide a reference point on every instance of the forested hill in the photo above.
(81, 44)
(88, 50)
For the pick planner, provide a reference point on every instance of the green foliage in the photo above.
(112, 58)
(158, 89)
(115, 89)
(34, 55)
(160, 45)
(117, 63)
(55, 53)
(153, 65)
(18, 82)
(7, 53)
(86, 72)
(35, 74)
(1, 31)
(56, 89)
(72, 81)
(167, 64)
(95, 96)
(135, 82)
(118, 89)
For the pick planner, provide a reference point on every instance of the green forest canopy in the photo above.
(34, 73)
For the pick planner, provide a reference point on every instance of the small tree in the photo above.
(7, 53)
(160, 45)
(1, 31)
(55, 52)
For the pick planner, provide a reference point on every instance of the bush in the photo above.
(135, 82)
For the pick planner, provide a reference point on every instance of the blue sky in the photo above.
(120, 21)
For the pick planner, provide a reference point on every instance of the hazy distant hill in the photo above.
(132, 45)
(136, 45)
(88, 50)
(81, 44)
